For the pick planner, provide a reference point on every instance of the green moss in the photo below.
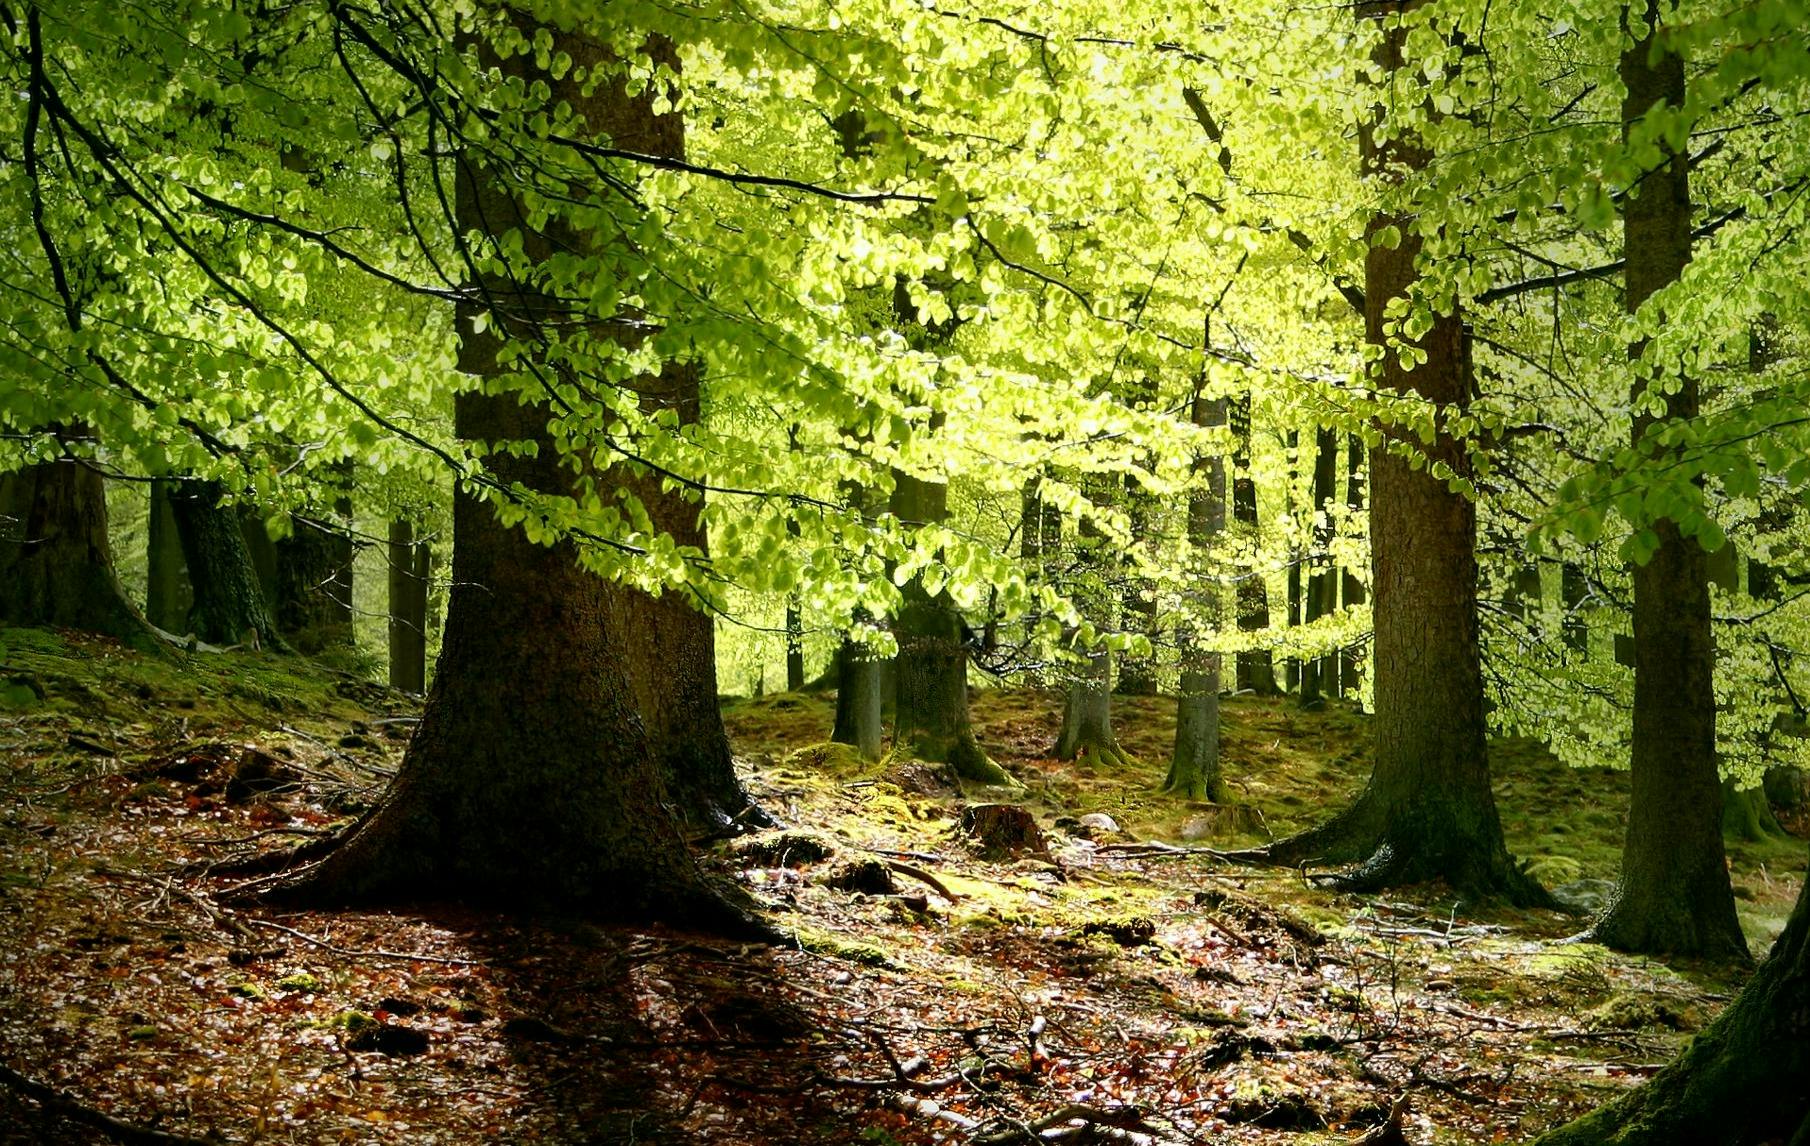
(299, 982)
(834, 946)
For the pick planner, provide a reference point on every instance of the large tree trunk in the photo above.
(313, 589)
(1674, 896)
(1743, 1081)
(1087, 715)
(1427, 812)
(411, 572)
(1256, 667)
(56, 563)
(860, 699)
(1194, 762)
(168, 597)
(229, 606)
(1320, 674)
(531, 780)
(931, 717)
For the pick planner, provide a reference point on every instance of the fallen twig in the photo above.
(924, 877)
(364, 953)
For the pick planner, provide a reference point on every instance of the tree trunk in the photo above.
(1291, 669)
(931, 717)
(860, 698)
(531, 779)
(229, 607)
(1747, 814)
(168, 597)
(411, 573)
(1674, 896)
(1137, 604)
(313, 587)
(794, 646)
(1087, 715)
(1039, 536)
(1194, 762)
(1351, 669)
(1427, 812)
(1743, 1081)
(1319, 674)
(56, 562)
(1256, 667)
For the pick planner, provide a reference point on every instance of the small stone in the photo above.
(1098, 823)
(1584, 896)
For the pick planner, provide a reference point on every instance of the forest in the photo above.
(905, 572)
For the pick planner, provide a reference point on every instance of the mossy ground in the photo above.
(1225, 1004)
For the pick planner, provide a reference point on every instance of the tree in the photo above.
(229, 605)
(56, 563)
(1427, 811)
(1674, 894)
(1194, 762)
(1320, 674)
(1256, 667)
(1744, 1080)
(313, 589)
(531, 775)
(411, 570)
(167, 592)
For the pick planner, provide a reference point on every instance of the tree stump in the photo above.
(1001, 831)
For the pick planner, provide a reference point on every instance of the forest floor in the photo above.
(1120, 986)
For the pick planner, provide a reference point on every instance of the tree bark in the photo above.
(313, 587)
(1428, 811)
(1320, 674)
(1256, 667)
(1291, 668)
(860, 700)
(1674, 896)
(1087, 715)
(531, 779)
(1194, 761)
(168, 597)
(931, 718)
(1743, 1081)
(794, 646)
(1351, 668)
(229, 606)
(411, 572)
(56, 562)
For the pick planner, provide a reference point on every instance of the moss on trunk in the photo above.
(229, 606)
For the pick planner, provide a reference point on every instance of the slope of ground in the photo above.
(1110, 987)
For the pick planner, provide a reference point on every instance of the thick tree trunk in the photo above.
(1194, 761)
(1743, 1081)
(411, 572)
(860, 699)
(56, 563)
(931, 717)
(1319, 675)
(229, 606)
(531, 780)
(1351, 667)
(168, 597)
(1256, 667)
(313, 587)
(1428, 812)
(1087, 715)
(1674, 896)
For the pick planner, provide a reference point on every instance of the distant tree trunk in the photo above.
(1573, 592)
(56, 562)
(531, 780)
(1039, 535)
(1747, 814)
(260, 550)
(860, 699)
(1743, 1081)
(1319, 674)
(229, 607)
(1351, 670)
(1137, 604)
(1674, 896)
(313, 588)
(167, 593)
(1087, 715)
(794, 645)
(1428, 811)
(411, 572)
(1291, 669)
(1194, 762)
(1256, 667)
(931, 717)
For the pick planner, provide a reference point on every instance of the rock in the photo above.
(390, 1039)
(1215, 820)
(1134, 931)
(1001, 831)
(866, 876)
(1096, 825)
(1584, 896)
(915, 778)
(256, 773)
(789, 848)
